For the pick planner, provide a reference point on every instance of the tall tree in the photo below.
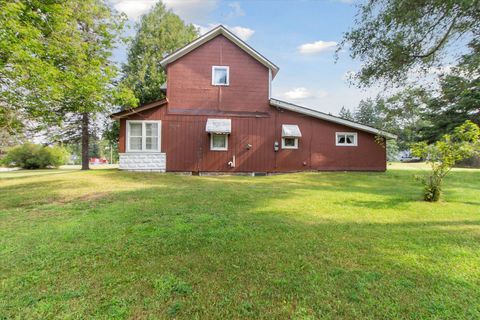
(55, 62)
(346, 114)
(159, 33)
(368, 113)
(458, 99)
(395, 37)
(89, 72)
(403, 114)
(32, 45)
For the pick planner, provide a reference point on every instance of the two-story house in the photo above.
(219, 116)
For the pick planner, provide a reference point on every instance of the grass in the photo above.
(106, 244)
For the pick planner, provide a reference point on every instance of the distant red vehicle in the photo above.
(95, 161)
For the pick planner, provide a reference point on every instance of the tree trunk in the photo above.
(85, 141)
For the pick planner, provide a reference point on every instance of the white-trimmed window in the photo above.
(348, 139)
(290, 135)
(143, 136)
(218, 142)
(289, 143)
(220, 75)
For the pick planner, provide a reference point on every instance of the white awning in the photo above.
(223, 126)
(291, 131)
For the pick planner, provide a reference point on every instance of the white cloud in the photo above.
(192, 10)
(133, 8)
(237, 10)
(317, 47)
(188, 10)
(298, 94)
(241, 32)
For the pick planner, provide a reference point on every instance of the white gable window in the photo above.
(143, 136)
(348, 139)
(290, 135)
(220, 75)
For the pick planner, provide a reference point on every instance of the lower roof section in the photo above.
(324, 116)
(128, 112)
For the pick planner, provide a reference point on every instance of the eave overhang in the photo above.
(324, 116)
(220, 30)
(128, 112)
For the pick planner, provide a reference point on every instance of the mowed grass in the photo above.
(106, 244)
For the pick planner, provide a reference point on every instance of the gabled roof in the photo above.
(128, 112)
(220, 30)
(320, 115)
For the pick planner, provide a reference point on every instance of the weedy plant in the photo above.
(444, 154)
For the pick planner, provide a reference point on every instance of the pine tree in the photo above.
(159, 33)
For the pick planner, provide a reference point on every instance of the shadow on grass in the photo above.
(26, 174)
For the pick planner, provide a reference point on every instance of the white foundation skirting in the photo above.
(138, 161)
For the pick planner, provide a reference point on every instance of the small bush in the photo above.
(444, 154)
(33, 156)
(432, 188)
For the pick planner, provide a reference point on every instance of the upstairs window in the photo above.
(143, 136)
(220, 75)
(348, 139)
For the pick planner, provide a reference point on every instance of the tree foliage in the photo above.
(458, 98)
(346, 114)
(403, 114)
(442, 155)
(458, 101)
(159, 33)
(55, 62)
(32, 46)
(396, 37)
(369, 113)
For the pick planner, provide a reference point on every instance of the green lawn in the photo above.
(107, 244)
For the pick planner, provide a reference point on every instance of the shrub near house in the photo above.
(32, 156)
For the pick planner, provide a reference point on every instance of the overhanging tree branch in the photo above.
(442, 41)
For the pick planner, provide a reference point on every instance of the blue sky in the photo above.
(298, 36)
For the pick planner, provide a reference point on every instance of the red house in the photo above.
(218, 116)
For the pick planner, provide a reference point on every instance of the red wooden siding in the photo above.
(189, 79)
(187, 145)
(192, 99)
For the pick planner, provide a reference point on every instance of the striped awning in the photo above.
(291, 131)
(222, 126)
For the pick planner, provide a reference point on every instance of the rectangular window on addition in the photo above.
(289, 143)
(143, 136)
(220, 75)
(218, 142)
(348, 139)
